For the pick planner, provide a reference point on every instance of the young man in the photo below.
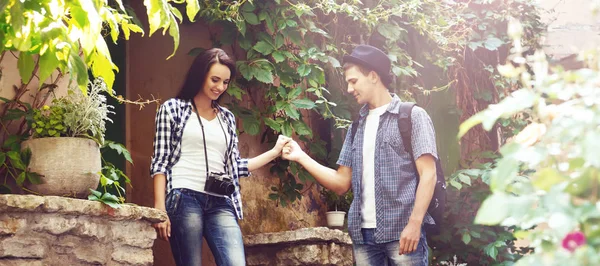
(391, 192)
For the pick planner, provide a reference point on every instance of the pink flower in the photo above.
(573, 240)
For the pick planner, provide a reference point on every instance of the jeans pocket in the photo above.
(229, 203)
(172, 201)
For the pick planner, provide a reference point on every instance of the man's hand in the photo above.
(292, 151)
(409, 239)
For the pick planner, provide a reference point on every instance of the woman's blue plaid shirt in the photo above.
(170, 121)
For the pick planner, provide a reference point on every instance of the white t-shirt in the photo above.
(190, 171)
(368, 214)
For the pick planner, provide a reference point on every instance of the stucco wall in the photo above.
(10, 77)
(571, 27)
(150, 75)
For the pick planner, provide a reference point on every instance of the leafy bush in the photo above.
(546, 182)
(471, 243)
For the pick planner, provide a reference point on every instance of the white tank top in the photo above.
(190, 171)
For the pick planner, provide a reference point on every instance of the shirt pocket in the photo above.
(394, 143)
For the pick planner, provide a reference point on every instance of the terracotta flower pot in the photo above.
(69, 166)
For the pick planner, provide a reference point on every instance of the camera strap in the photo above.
(204, 138)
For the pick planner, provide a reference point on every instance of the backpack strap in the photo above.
(405, 125)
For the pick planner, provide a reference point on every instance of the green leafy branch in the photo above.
(110, 178)
(66, 36)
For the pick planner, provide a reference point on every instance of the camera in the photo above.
(219, 183)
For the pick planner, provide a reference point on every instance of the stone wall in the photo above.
(52, 230)
(307, 246)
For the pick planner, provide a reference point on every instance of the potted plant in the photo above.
(65, 142)
(58, 149)
(337, 207)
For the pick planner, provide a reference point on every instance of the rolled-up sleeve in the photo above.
(162, 141)
(242, 163)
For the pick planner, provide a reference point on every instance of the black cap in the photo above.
(372, 58)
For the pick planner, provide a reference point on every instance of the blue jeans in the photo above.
(373, 254)
(195, 215)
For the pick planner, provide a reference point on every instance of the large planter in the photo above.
(69, 166)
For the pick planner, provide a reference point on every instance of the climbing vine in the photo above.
(290, 69)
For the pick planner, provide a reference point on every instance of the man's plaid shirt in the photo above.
(395, 173)
(170, 121)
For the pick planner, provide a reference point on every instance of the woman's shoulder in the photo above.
(173, 105)
(227, 114)
(174, 102)
(225, 111)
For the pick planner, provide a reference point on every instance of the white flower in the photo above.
(531, 134)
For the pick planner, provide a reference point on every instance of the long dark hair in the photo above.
(196, 75)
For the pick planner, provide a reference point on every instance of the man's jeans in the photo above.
(195, 215)
(372, 254)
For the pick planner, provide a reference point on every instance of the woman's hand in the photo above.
(163, 230)
(281, 142)
(263, 159)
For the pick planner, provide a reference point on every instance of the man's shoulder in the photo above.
(419, 114)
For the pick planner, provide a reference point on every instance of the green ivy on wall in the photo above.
(289, 48)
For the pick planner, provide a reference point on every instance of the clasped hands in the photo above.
(288, 148)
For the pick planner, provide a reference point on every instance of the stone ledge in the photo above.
(54, 230)
(318, 246)
(304, 235)
(70, 206)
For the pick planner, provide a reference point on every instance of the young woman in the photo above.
(196, 166)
